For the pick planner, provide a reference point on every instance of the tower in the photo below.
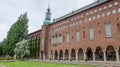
(47, 20)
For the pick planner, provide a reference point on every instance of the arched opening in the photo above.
(66, 54)
(61, 55)
(89, 54)
(118, 27)
(56, 55)
(41, 55)
(98, 54)
(80, 54)
(73, 54)
(110, 53)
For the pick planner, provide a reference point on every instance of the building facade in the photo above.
(90, 33)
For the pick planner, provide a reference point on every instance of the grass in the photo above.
(38, 64)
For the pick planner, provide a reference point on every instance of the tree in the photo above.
(0, 48)
(21, 49)
(17, 32)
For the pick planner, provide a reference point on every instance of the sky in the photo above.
(10, 10)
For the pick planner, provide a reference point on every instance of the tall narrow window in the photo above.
(52, 41)
(91, 33)
(42, 41)
(108, 30)
(57, 39)
(118, 27)
(60, 39)
(83, 34)
(68, 37)
(77, 36)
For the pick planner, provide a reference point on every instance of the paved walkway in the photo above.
(94, 63)
(2, 66)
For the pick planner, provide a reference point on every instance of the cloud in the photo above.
(10, 10)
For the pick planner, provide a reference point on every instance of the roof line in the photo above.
(80, 10)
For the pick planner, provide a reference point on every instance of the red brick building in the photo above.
(89, 33)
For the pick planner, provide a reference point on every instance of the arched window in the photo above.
(118, 27)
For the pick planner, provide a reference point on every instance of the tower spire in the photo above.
(49, 4)
(47, 20)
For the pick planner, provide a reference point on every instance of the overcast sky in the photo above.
(10, 10)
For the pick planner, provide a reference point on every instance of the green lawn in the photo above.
(38, 64)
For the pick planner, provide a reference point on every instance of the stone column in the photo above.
(58, 56)
(44, 56)
(40, 56)
(85, 56)
(53, 56)
(117, 56)
(69, 56)
(63, 56)
(104, 55)
(76, 56)
(93, 56)
(49, 55)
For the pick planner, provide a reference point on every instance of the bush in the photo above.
(6, 58)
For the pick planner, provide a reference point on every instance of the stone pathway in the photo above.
(2, 66)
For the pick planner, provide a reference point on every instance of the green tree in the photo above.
(0, 48)
(16, 33)
(21, 49)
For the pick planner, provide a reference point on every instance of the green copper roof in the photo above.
(47, 20)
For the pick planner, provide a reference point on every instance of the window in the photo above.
(57, 39)
(110, 5)
(98, 16)
(60, 38)
(100, 9)
(103, 14)
(83, 34)
(104, 7)
(95, 11)
(87, 13)
(91, 12)
(108, 13)
(113, 11)
(108, 30)
(118, 9)
(77, 36)
(81, 15)
(42, 41)
(73, 24)
(93, 18)
(80, 22)
(85, 20)
(118, 27)
(91, 33)
(66, 26)
(70, 25)
(76, 23)
(89, 19)
(68, 38)
(52, 41)
(116, 3)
